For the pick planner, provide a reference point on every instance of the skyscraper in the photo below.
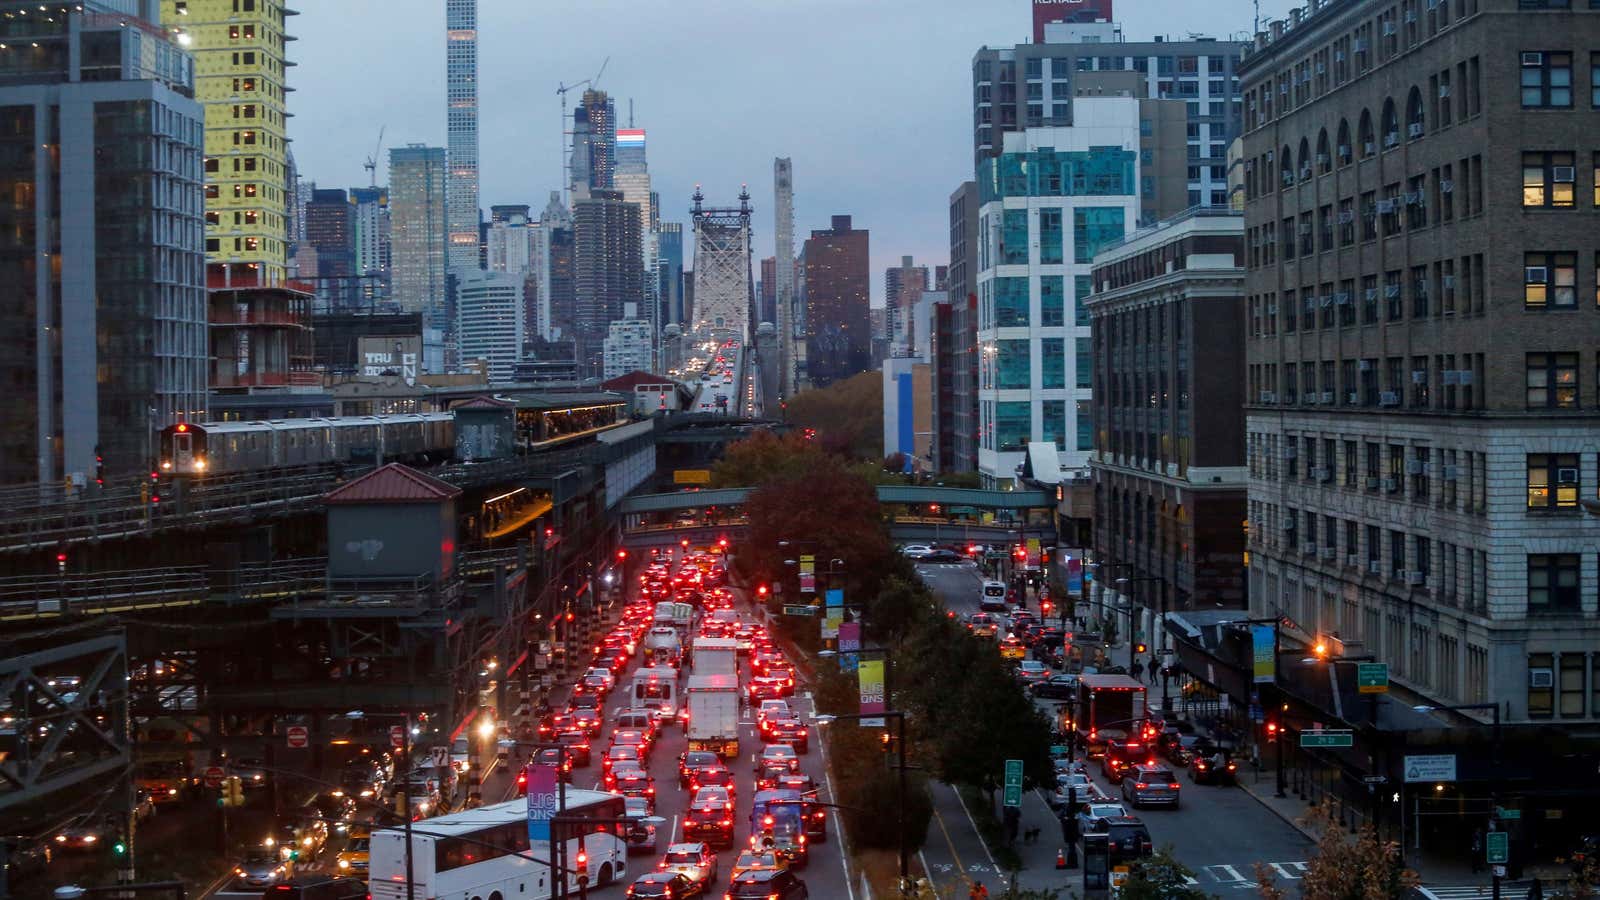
(783, 252)
(417, 238)
(330, 232)
(489, 321)
(240, 69)
(370, 219)
(552, 252)
(102, 265)
(903, 286)
(838, 291)
(607, 270)
(594, 145)
(632, 179)
(963, 343)
(767, 290)
(669, 271)
(461, 129)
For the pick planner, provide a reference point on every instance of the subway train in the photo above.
(226, 448)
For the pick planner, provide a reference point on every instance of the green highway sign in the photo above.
(799, 610)
(1372, 678)
(1013, 782)
(1498, 846)
(1326, 739)
(1501, 812)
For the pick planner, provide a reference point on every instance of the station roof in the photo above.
(394, 483)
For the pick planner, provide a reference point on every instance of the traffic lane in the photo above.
(957, 585)
(1219, 832)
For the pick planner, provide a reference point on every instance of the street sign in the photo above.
(1013, 782)
(397, 736)
(1372, 678)
(1506, 815)
(1498, 871)
(1434, 767)
(297, 736)
(808, 574)
(1166, 651)
(1498, 846)
(213, 776)
(1324, 738)
(799, 610)
(1374, 779)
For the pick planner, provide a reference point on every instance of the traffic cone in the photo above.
(1061, 858)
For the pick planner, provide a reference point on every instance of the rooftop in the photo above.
(394, 483)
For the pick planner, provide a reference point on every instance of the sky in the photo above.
(870, 98)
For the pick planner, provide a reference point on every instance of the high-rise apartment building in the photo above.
(240, 78)
(838, 291)
(767, 290)
(629, 347)
(369, 217)
(105, 310)
(632, 179)
(788, 322)
(607, 270)
(330, 231)
(962, 286)
(669, 272)
(593, 158)
(489, 322)
(903, 286)
(1420, 181)
(461, 134)
(552, 252)
(511, 241)
(1049, 203)
(1034, 85)
(417, 239)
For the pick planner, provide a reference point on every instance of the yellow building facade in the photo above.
(240, 73)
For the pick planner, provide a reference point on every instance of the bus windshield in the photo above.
(779, 813)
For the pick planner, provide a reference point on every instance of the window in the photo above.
(1052, 363)
(1570, 683)
(1541, 672)
(1553, 481)
(1550, 281)
(1552, 380)
(1548, 179)
(1546, 80)
(1050, 234)
(1553, 583)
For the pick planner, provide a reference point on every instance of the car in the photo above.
(86, 832)
(767, 884)
(630, 780)
(1066, 783)
(353, 858)
(1095, 813)
(769, 710)
(767, 688)
(756, 860)
(1150, 784)
(692, 761)
(1055, 687)
(621, 753)
(1011, 648)
(1127, 837)
(1181, 749)
(336, 808)
(1031, 671)
(786, 675)
(916, 551)
(597, 682)
(665, 885)
(778, 754)
(1214, 768)
(144, 806)
(712, 796)
(942, 556)
(1120, 755)
(640, 835)
(261, 867)
(717, 774)
(582, 700)
(361, 778)
(587, 719)
(252, 772)
(983, 625)
(789, 731)
(763, 660)
(693, 861)
(552, 757)
(552, 724)
(577, 744)
(767, 776)
(709, 824)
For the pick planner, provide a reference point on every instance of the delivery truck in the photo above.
(713, 714)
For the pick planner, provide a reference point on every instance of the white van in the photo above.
(662, 646)
(994, 597)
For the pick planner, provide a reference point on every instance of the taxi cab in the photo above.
(1011, 648)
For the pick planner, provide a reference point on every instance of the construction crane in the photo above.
(371, 165)
(566, 157)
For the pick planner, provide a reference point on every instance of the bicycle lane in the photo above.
(954, 854)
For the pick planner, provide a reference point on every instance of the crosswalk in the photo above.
(1471, 892)
(1243, 875)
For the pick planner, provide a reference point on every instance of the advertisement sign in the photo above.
(543, 801)
(808, 574)
(1074, 575)
(1265, 660)
(1034, 556)
(849, 642)
(835, 617)
(873, 699)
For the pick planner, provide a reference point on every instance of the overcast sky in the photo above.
(871, 98)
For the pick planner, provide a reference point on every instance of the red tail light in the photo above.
(1175, 785)
(1139, 785)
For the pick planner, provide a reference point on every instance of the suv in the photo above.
(766, 884)
(1148, 784)
(709, 824)
(1120, 757)
(1127, 838)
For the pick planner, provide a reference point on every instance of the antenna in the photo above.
(630, 112)
(371, 165)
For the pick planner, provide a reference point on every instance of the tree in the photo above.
(1161, 877)
(1347, 867)
(848, 416)
(900, 605)
(824, 511)
(763, 457)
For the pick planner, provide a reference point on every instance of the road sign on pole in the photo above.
(1013, 782)
(213, 776)
(1433, 767)
(1372, 678)
(397, 736)
(1325, 738)
(1498, 846)
(799, 610)
(297, 737)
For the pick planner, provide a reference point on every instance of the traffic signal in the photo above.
(1020, 552)
(232, 791)
(1272, 732)
(583, 863)
(119, 848)
(1044, 607)
(61, 562)
(761, 591)
(1140, 648)
(622, 554)
(99, 468)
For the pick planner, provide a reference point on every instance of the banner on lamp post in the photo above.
(849, 643)
(873, 699)
(1264, 656)
(543, 801)
(808, 574)
(834, 598)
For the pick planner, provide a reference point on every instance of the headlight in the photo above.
(90, 838)
(344, 863)
(172, 792)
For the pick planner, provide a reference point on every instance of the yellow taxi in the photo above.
(352, 860)
(1011, 648)
(757, 861)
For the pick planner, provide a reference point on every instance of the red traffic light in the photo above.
(583, 862)
(761, 590)
(722, 542)
(1140, 648)
(1045, 607)
(569, 617)
(622, 554)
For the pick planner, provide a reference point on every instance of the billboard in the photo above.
(1045, 11)
(390, 355)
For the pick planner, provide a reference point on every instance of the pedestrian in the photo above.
(978, 892)
(1137, 670)
(1477, 851)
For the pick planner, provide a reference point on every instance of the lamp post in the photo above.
(1494, 759)
(900, 753)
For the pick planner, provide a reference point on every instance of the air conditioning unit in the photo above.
(1338, 56)
(1366, 364)
(1368, 148)
(1353, 560)
(1388, 29)
(1532, 59)
(1541, 678)
(1323, 473)
(1288, 176)
(1391, 485)
(1287, 526)
(1322, 159)
(1342, 298)
(1330, 552)
(1375, 566)
(1446, 185)
(1449, 281)
(1346, 216)
(1272, 309)
(1433, 4)
(1310, 399)
(1269, 397)
(1451, 376)
(1413, 198)
(1344, 151)
(1415, 467)
(1327, 397)
(1452, 473)
(1563, 174)
(1309, 548)
(1391, 290)
(1391, 139)
(1411, 16)
(1444, 90)
(1465, 376)
(1352, 398)
(1361, 45)
(1419, 376)
(1291, 452)
(1305, 227)
(1385, 207)
(1566, 476)
(1322, 67)
(1372, 482)
(1416, 578)
(1389, 398)
(1535, 274)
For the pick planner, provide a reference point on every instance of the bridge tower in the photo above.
(724, 285)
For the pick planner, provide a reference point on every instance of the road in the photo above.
(1218, 832)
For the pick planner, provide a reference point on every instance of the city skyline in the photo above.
(335, 127)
